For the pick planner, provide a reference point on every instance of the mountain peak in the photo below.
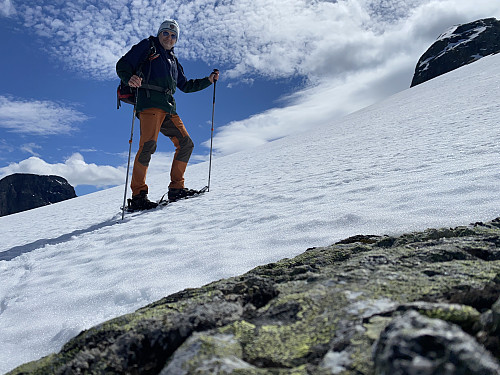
(458, 46)
(22, 191)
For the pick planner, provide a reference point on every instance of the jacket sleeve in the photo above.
(128, 64)
(191, 85)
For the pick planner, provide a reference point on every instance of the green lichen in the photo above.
(287, 345)
(43, 366)
(374, 326)
(464, 316)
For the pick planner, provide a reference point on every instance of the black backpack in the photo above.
(127, 94)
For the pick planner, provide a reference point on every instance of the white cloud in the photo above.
(30, 148)
(7, 8)
(38, 117)
(317, 105)
(74, 169)
(275, 39)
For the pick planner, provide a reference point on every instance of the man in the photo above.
(152, 64)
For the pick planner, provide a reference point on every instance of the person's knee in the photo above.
(148, 149)
(186, 147)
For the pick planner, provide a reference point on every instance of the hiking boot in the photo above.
(141, 202)
(176, 194)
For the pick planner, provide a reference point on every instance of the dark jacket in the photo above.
(164, 71)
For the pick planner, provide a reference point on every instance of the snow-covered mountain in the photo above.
(458, 46)
(426, 157)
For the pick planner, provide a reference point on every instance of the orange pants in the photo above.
(153, 121)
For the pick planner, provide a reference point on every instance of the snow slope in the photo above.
(426, 157)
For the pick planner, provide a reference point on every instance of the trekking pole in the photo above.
(212, 133)
(129, 151)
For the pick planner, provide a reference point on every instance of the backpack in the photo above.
(127, 94)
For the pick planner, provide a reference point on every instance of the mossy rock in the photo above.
(318, 313)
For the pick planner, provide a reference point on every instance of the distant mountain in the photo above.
(459, 46)
(20, 192)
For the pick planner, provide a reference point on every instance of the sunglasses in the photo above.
(166, 33)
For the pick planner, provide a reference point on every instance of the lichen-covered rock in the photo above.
(210, 354)
(416, 345)
(496, 316)
(318, 313)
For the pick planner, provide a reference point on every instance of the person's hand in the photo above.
(214, 76)
(135, 81)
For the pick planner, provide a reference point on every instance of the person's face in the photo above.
(167, 39)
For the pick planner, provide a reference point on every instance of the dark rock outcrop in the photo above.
(457, 47)
(21, 192)
(421, 303)
(416, 344)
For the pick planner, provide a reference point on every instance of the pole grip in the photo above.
(215, 83)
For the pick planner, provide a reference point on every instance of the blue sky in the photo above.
(286, 67)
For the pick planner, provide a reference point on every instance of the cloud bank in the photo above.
(38, 117)
(281, 38)
(74, 169)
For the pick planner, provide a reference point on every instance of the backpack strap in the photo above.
(151, 55)
(147, 86)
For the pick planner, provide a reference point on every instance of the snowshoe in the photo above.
(176, 194)
(141, 202)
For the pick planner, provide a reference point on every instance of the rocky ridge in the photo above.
(22, 191)
(459, 46)
(420, 303)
